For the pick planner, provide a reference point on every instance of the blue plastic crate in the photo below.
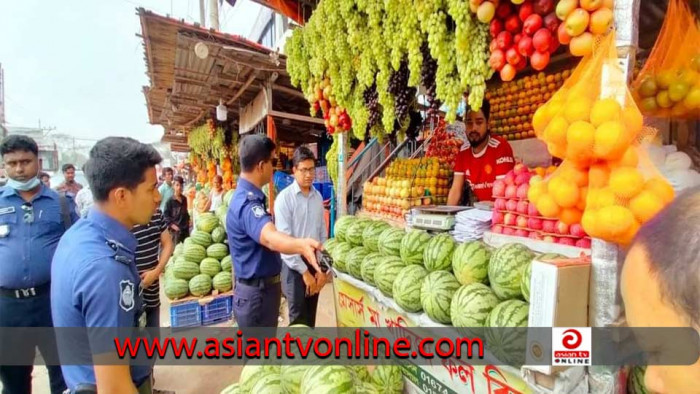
(325, 188)
(217, 311)
(186, 314)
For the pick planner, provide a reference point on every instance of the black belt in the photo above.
(270, 280)
(26, 293)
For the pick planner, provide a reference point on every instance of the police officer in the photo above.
(32, 220)
(254, 241)
(95, 281)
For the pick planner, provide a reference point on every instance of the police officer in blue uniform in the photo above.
(32, 220)
(255, 243)
(95, 280)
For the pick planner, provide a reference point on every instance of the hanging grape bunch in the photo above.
(428, 79)
(404, 95)
(372, 103)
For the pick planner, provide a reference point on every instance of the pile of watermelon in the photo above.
(201, 264)
(312, 379)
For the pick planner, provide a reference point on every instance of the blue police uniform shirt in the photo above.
(95, 284)
(29, 236)
(246, 217)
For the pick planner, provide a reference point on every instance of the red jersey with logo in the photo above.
(481, 170)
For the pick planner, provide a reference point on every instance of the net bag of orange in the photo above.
(594, 126)
(668, 85)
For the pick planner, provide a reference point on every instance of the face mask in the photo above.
(23, 186)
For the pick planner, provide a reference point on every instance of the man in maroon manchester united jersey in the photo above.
(486, 158)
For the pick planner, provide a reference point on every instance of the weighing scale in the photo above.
(437, 218)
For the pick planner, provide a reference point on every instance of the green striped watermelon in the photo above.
(210, 266)
(525, 282)
(550, 256)
(228, 196)
(185, 270)
(325, 379)
(470, 262)
(200, 285)
(179, 248)
(207, 222)
(227, 264)
(635, 380)
(370, 236)
(329, 245)
(388, 379)
(413, 245)
(507, 345)
(267, 383)
(471, 305)
(217, 251)
(438, 253)
(200, 238)
(355, 230)
(360, 373)
(218, 235)
(368, 266)
(249, 376)
(436, 294)
(407, 287)
(390, 241)
(223, 282)
(386, 272)
(510, 313)
(340, 254)
(232, 389)
(367, 388)
(506, 269)
(195, 253)
(353, 261)
(340, 228)
(290, 375)
(187, 241)
(176, 288)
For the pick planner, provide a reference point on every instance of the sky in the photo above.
(78, 66)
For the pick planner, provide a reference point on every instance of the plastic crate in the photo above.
(186, 314)
(217, 311)
(325, 188)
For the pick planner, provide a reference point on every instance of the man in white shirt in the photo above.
(83, 201)
(299, 213)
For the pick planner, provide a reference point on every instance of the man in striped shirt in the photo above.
(155, 246)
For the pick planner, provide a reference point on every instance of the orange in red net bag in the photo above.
(669, 84)
(605, 181)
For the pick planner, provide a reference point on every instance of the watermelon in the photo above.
(386, 272)
(228, 196)
(390, 241)
(194, 253)
(200, 285)
(210, 266)
(507, 345)
(388, 378)
(525, 282)
(290, 375)
(413, 246)
(355, 230)
(340, 253)
(267, 383)
(323, 379)
(635, 380)
(329, 245)
(232, 389)
(550, 256)
(471, 305)
(368, 265)
(207, 222)
(506, 269)
(370, 236)
(341, 227)
(353, 261)
(227, 264)
(200, 238)
(437, 255)
(366, 388)
(218, 235)
(407, 287)
(360, 373)
(436, 294)
(250, 374)
(187, 242)
(176, 288)
(223, 282)
(185, 270)
(470, 262)
(179, 248)
(217, 251)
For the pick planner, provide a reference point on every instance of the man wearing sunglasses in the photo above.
(255, 243)
(32, 220)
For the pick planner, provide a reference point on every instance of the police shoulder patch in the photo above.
(126, 300)
(258, 211)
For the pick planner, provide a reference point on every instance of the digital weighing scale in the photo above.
(437, 218)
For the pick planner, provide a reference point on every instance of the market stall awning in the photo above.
(192, 69)
(298, 10)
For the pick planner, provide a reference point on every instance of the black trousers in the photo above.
(29, 312)
(302, 309)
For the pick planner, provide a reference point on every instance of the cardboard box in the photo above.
(558, 298)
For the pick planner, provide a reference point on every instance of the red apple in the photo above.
(521, 222)
(522, 64)
(511, 192)
(513, 56)
(532, 24)
(497, 217)
(534, 223)
(542, 39)
(563, 37)
(522, 193)
(532, 210)
(497, 59)
(513, 24)
(493, 45)
(510, 219)
(511, 205)
(543, 7)
(549, 226)
(516, 39)
(497, 229)
(535, 235)
(508, 72)
(576, 230)
(553, 44)
(550, 239)
(510, 178)
(522, 206)
(523, 178)
(520, 168)
(504, 40)
(500, 204)
(584, 243)
(508, 231)
(495, 27)
(567, 241)
(526, 9)
(539, 60)
(551, 22)
(499, 188)
(504, 10)
(522, 233)
(562, 228)
(525, 47)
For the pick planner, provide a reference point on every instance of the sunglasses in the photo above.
(28, 210)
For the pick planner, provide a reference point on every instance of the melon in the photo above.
(353, 261)
(194, 253)
(369, 264)
(340, 228)
(185, 270)
(355, 230)
(329, 245)
(386, 272)
(506, 268)
(360, 373)
(436, 294)
(217, 251)
(250, 374)
(525, 282)
(223, 281)
(413, 245)
(508, 345)
(370, 236)
(200, 285)
(388, 378)
(267, 383)
(367, 388)
(438, 252)
(228, 196)
(340, 253)
(635, 380)
(389, 243)
(207, 222)
(470, 262)
(327, 379)
(471, 305)
(218, 235)
(290, 375)
(227, 264)
(176, 288)
(210, 266)
(407, 287)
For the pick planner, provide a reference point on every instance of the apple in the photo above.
(494, 45)
(532, 210)
(551, 22)
(532, 24)
(577, 22)
(512, 205)
(563, 37)
(522, 192)
(534, 223)
(508, 72)
(500, 204)
(513, 56)
(504, 10)
(485, 12)
(497, 217)
(525, 47)
(535, 235)
(497, 229)
(508, 231)
(564, 8)
(567, 241)
(497, 59)
(522, 207)
(542, 39)
(513, 24)
(562, 228)
(549, 226)
(495, 27)
(510, 219)
(521, 233)
(521, 222)
(499, 188)
(511, 191)
(522, 178)
(522, 64)
(504, 40)
(584, 243)
(553, 44)
(510, 178)
(550, 239)
(517, 38)
(539, 60)
(526, 9)
(576, 230)
(543, 7)
(520, 168)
